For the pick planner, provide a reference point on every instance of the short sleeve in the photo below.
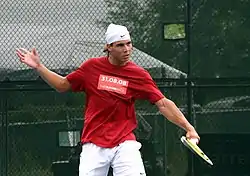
(148, 90)
(77, 77)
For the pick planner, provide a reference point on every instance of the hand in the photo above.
(30, 58)
(192, 134)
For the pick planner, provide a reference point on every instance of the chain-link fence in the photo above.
(195, 50)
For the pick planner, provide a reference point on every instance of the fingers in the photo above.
(193, 137)
(23, 50)
(34, 51)
(25, 55)
(193, 134)
(20, 55)
(194, 140)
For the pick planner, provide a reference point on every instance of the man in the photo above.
(112, 84)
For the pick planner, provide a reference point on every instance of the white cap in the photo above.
(116, 33)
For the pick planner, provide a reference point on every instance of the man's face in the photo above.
(121, 50)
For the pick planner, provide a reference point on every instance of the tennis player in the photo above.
(111, 83)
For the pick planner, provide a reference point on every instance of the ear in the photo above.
(105, 48)
(108, 47)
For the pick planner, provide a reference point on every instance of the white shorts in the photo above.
(125, 159)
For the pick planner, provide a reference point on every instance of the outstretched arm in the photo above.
(173, 114)
(32, 59)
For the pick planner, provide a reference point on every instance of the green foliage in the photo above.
(219, 33)
(145, 20)
(220, 39)
(142, 20)
(174, 31)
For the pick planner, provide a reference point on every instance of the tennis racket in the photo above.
(195, 149)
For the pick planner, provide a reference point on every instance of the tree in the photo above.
(145, 21)
(220, 39)
(219, 33)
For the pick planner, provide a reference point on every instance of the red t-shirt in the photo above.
(111, 92)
